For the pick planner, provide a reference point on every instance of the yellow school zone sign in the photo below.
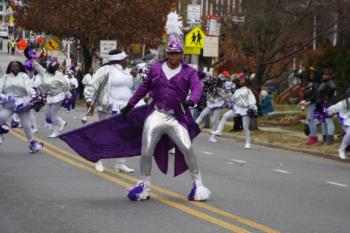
(194, 41)
(52, 45)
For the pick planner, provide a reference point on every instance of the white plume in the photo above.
(173, 24)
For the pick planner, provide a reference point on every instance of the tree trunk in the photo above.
(253, 124)
(87, 58)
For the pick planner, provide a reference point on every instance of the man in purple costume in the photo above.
(169, 83)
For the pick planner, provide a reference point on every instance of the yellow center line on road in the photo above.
(157, 188)
(157, 197)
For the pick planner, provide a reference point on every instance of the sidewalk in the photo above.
(286, 139)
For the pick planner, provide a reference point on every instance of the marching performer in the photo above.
(16, 96)
(244, 104)
(217, 97)
(113, 84)
(57, 90)
(343, 110)
(73, 84)
(169, 83)
(86, 80)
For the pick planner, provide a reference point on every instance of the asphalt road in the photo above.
(256, 190)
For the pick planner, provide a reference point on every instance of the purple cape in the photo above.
(120, 136)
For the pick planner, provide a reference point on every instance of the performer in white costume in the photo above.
(243, 100)
(56, 88)
(343, 110)
(113, 84)
(16, 94)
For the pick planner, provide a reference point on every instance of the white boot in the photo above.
(342, 152)
(122, 167)
(199, 192)
(247, 144)
(216, 133)
(212, 139)
(55, 131)
(1, 139)
(99, 166)
(142, 191)
(62, 124)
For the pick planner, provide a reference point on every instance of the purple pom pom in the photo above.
(28, 65)
(48, 121)
(14, 124)
(134, 193)
(192, 193)
(4, 129)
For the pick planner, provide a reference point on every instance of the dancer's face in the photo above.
(174, 59)
(15, 68)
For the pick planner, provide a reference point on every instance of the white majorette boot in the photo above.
(99, 166)
(247, 144)
(121, 167)
(62, 125)
(4, 129)
(141, 192)
(342, 151)
(35, 146)
(212, 139)
(199, 192)
(55, 131)
(1, 139)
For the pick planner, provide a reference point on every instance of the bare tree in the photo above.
(89, 21)
(274, 30)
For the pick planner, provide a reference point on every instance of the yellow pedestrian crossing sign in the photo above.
(194, 41)
(52, 45)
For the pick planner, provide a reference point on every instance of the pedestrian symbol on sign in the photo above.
(199, 38)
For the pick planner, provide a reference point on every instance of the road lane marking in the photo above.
(207, 153)
(337, 184)
(238, 161)
(282, 171)
(179, 206)
(157, 188)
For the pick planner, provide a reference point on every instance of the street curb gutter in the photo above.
(280, 146)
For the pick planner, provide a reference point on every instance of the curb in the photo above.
(280, 146)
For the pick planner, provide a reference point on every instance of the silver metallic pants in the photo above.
(156, 125)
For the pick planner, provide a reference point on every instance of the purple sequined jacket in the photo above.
(169, 94)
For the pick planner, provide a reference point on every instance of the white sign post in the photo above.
(106, 46)
(211, 46)
(193, 14)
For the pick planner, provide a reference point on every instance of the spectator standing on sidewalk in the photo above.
(326, 92)
(310, 99)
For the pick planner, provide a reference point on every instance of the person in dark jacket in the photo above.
(325, 96)
(310, 97)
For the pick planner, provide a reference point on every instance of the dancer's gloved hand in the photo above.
(319, 108)
(124, 111)
(188, 103)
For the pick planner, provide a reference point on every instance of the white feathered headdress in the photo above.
(175, 35)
